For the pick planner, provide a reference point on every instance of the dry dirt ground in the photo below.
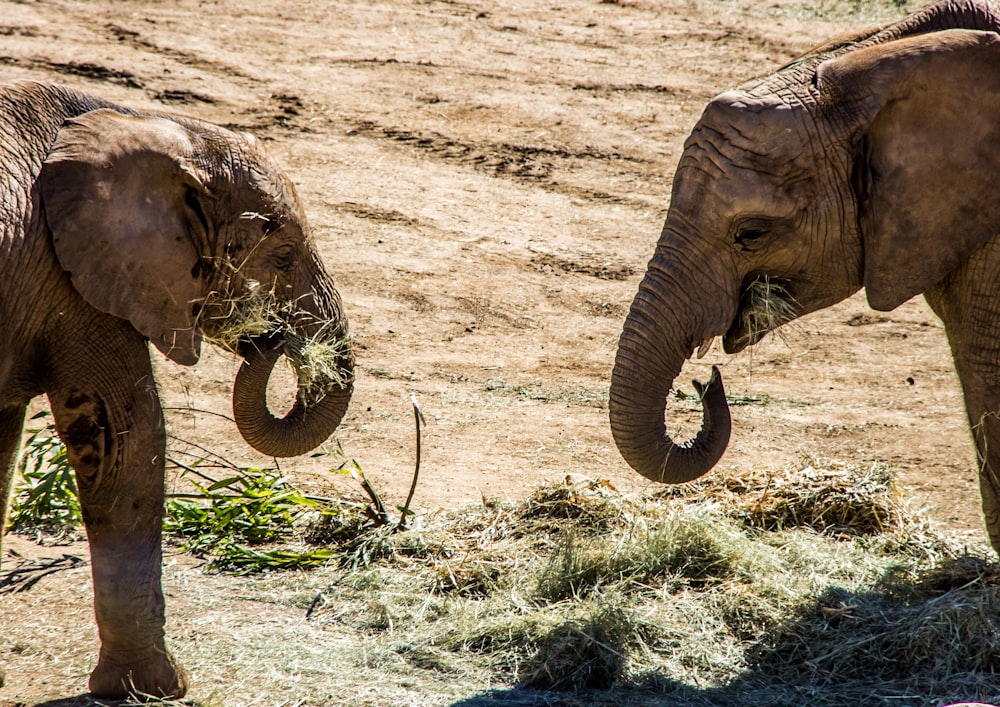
(487, 181)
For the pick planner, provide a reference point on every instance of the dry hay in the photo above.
(926, 646)
(588, 654)
(593, 505)
(317, 359)
(833, 499)
(678, 599)
(766, 306)
(813, 585)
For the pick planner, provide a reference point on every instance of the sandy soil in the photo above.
(486, 182)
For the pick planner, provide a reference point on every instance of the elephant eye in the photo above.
(750, 236)
(283, 258)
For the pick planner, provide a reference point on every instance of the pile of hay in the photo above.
(812, 586)
(833, 499)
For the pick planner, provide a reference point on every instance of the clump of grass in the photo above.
(318, 362)
(947, 644)
(835, 499)
(912, 584)
(594, 506)
(766, 306)
(229, 519)
(862, 502)
(476, 574)
(696, 551)
(583, 654)
(241, 559)
(254, 506)
(226, 519)
(227, 321)
(318, 359)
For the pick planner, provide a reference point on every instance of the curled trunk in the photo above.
(306, 426)
(644, 373)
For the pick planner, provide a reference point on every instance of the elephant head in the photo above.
(863, 165)
(190, 232)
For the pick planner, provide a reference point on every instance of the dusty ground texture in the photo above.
(486, 182)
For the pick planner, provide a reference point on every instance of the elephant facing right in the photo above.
(872, 161)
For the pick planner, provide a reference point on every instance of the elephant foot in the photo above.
(154, 674)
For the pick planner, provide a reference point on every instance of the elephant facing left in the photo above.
(122, 227)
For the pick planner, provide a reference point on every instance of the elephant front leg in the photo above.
(985, 426)
(117, 450)
(971, 315)
(11, 427)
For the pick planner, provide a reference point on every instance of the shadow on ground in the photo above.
(933, 640)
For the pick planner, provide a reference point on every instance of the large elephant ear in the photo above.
(124, 205)
(927, 140)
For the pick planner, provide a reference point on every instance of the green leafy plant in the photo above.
(230, 518)
(223, 518)
(47, 496)
(255, 507)
(240, 559)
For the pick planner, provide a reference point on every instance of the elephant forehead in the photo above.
(707, 179)
(754, 129)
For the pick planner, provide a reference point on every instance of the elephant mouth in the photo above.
(248, 345)
(765, 304)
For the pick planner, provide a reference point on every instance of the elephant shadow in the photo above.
(84, 700)
(913, 642)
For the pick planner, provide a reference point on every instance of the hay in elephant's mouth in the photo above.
(226, 322)
(765, 306)
(318, 360)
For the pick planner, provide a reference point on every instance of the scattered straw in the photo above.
(226, 321)
(595, 506)
(581, 595)
(318, 362)
(810, 585)
(579, 655)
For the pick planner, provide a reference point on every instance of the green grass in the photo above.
(237, 521)
(47, 498)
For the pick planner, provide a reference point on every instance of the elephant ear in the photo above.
(124, 205)
(927, 142)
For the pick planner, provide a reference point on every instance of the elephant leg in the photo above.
(985, 426)
(972, 321)
(11, 427)
(109, 417)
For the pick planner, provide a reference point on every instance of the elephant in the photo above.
(122, 227)
(869, 162)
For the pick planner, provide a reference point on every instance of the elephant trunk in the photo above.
(645, 368)
(306, 426)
